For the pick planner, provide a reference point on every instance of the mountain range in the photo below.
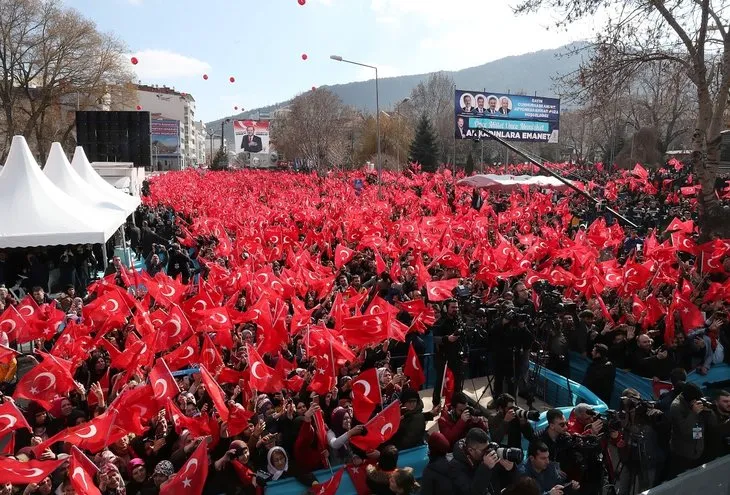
(530, 73)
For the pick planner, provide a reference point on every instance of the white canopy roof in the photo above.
(37, 213)
(82, 167)
(509, 182)
(59, 170)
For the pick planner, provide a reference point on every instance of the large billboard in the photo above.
(510, 117)
(251, 136)
(165, 138)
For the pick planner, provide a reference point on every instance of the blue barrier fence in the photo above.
(556, 392)
(625, 379)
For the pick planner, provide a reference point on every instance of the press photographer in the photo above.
(719, 428)
(512, 341)
(688, 422)
(510, 423)
(451, 348)
(641, 457)
(547, 474)
(480, 467)
(459, 418)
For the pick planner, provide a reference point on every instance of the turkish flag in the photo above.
(447, 386)
(380, 266)
(27, 307)
(138, 407)
(413, 369)
(23, 473)
(261, 374)
(163, 383)
(367, 329)
(330, 486)
(44, 324)
(238, 418)
(7, 355)
(324, 377)
(640, 172)
(81, 472)
(11, 322)
(11, 418)
(366, 394)
(110, 306)
(93, 435)
(358, 476)
(185, 355)
(190, 480)
(209, 355)
(379, 429)
(676, 225)
(215, 392)
(44, 382)
(176, 327)
(343, 255)
(690, 315)
(197, 427)
(441, 290)
(320, 430)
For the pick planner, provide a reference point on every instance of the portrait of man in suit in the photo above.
(480, 109)
(251, 143)
(504, 106)
(492, 104)
(460, 128)
(467, 108)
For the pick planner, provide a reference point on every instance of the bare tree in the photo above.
(691, 36)
(435, 99)
(52, 61)
(316, 126)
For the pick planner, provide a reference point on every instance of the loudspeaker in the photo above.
(115, 136)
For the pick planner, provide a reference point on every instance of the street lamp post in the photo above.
(211, 135)
(223, 123)
(377, 112)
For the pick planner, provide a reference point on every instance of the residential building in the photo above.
(167, 103)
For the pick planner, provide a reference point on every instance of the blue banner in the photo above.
(511, 117)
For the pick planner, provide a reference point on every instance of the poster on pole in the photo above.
(510, 117)
(251, 136)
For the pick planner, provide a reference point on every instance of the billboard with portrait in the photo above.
(251, 136)
(165, 137)
(510, 117)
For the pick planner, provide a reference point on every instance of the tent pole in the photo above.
(104, 256)
(556, 175)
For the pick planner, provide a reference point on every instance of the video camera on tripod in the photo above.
(551, 300)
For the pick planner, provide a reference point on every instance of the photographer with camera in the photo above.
(450, 348)
(480, 467)
(640, 453)
(601, 374)
(232, 469)
(510, 423)
(459, 418)
(584, 421)
(546, 473)
(512, 342)
(688, 422)
(719, 427)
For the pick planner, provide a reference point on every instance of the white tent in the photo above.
(82, 167)
(59, 170)
(37, 213)
(509, 182)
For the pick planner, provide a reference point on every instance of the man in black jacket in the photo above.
(719, 427)
(413, 420)
(601, 374)
(450, 349)
(505, 427)
(473, 466)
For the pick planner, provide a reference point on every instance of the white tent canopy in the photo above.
(84, 169)
(37, 213)
(59, 170)
(510, 182)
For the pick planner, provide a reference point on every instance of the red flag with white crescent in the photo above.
(414, 369)
(441, 290)
(366, 394)
(163, 383)
(81, 472)
(190, 480)
(380, 429)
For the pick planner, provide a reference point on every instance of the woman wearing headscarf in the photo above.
(139, 483)
(278, 463)
(110, 480)
(339, 434)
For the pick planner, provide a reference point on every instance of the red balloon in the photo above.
(232, 79)
(302, 2)
(314, 87)
(135, 61)
(304, 56)
(205, 76)
(235, 108)
(139, 107)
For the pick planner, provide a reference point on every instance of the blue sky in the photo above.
(260, 42)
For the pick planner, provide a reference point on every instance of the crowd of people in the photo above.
(282, 323)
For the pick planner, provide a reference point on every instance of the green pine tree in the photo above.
(424, 149)
(469, 168)
(220, 160)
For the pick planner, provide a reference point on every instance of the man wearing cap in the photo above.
(413, 420)
(688, 422)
